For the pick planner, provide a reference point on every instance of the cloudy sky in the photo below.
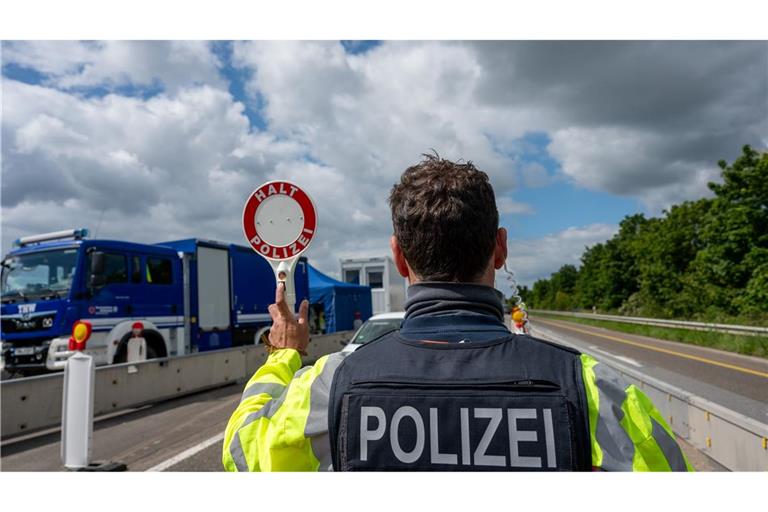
(152, 141)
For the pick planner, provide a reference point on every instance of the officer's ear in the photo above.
(397, 255)
(500, 249)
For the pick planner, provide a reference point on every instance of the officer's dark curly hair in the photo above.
(445, 219)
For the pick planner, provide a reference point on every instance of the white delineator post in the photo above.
(279, 222)
(137, 345)
(77, 411)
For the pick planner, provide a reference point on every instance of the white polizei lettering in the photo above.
(434, 443)
(481, 459)
(256, 240)
(293, 249)
(402, 455)
(274, 252)
(264, 249)
(260, 195)
(549, 435)
(515, 436)
(307, 230)
(465, 449)
(282, 188)
(302, 240)
(370, 435)
(285, 252)
(293, 191)
(271, 190)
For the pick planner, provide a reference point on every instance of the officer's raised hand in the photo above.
(288, 331)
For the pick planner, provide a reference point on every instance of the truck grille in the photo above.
(38, 323)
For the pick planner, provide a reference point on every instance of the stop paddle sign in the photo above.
(279, 222)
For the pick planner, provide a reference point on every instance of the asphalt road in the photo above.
(183, 434)
(141, 438)
(178, 435)
(735, 381)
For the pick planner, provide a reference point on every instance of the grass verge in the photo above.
(748, 345)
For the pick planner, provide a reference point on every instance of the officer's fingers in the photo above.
(273, 312)
(303, 312)
(280, 292)
(280, 302)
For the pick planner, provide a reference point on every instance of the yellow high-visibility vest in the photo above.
(281, 423)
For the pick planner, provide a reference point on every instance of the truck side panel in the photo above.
(213, 298)
(253, 285)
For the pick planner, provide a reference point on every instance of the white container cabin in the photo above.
(387, 285)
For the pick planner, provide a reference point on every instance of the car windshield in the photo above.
(372, 329)
(38, 274)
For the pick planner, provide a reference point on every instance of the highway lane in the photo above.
(142, 438)
(183, 434)
(209, 459)
(735, 381)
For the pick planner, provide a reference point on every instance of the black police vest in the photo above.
(511, 404)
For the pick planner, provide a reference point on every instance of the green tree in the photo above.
(735, 240)
(705, 258)
(664, 252)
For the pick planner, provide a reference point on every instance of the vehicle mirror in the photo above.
(98, 264)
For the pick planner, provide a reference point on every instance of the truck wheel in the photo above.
(262, 335)
(121, 355)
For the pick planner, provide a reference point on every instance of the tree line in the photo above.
(704, 259)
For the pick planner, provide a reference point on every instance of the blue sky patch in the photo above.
(23, 74)
(143, 92)
(31, 76)
(558, 203)
(237, 79)
(358, 47)
(563, 205)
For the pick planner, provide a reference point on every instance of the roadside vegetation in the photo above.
(704, 260)
(747, 345)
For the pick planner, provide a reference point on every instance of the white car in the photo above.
(374, 327)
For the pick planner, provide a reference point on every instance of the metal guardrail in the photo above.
(34, 403)
(736, 441)
(699, 326)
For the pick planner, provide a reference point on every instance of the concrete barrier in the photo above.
(736, 441)
(34, 403)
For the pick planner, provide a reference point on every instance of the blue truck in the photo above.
(186, 295)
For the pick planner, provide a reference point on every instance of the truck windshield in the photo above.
(38, 274)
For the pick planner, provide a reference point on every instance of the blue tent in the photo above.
(340, 300)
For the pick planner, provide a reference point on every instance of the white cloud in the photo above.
(72, 64)
(535, 259)
(631, 162)
(167, 167)
(507, 205)
(534, 175)
(372, 115)
(647, 120)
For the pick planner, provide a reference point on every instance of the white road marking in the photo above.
(629, 360)
(188, 453)
(614, 356)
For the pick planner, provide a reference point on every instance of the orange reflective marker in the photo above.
(81, 331)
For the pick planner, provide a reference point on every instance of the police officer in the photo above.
(453, 389)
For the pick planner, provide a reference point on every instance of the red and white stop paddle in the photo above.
(279, 222)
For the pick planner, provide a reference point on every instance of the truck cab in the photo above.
(51, 281)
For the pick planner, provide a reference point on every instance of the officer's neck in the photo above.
(488, 277)
(437, 298)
